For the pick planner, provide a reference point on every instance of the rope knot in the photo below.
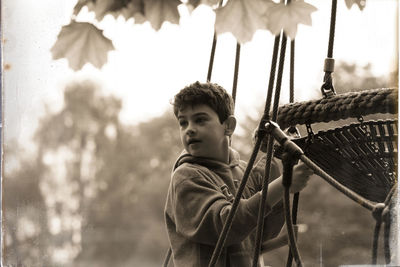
(377, 211)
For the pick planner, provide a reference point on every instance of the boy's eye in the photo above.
(182, 123)
(201, 119)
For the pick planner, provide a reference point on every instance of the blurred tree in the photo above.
(96, 188)
(117, 175)
(125, 221)
(26, 234)
(70, 140)
(350, 77)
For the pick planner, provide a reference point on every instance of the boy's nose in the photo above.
(190, 130)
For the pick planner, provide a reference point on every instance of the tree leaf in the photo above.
(104, 7)
(135, 10)
(158, 11)
(80, 43)
(80, 4)
(242, 18)
(196, 3)
(360, 3)
(287, 17)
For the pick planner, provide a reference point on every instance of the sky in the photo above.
(148, 67)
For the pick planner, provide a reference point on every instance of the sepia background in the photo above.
(87, 154)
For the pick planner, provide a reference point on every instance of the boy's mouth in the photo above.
(193, 141)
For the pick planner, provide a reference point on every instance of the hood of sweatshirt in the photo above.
(185, 157)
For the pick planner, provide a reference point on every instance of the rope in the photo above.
(343, 106)
(235, 75)
(332, 28)
(291, 100)
(214, 45)
(377, 213)
(294, 219)
(275, 108)
(211, 62)
(291, 81)
(375, 241)
(260, 223)
(260, 218)
(268, 100)
(327, 88)
(386, 235)
(288, 161)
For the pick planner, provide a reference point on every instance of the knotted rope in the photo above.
(296, 196)
(260, 219)
(343, 106)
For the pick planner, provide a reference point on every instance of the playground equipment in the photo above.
(359, 159)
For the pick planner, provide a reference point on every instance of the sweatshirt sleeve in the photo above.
(201, 209)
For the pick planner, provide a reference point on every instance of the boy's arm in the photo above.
(275, 220)
(200, 210)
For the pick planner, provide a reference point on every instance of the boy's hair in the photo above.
(210, 94)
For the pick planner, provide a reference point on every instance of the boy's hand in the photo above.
(279, 241)
(301, 175)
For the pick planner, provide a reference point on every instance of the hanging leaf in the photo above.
(135, 10)
(80, 43)
(242, 18)
(196, 3)
(360, 3)
(158, 11)
(80, 4)
(287, 17)
(104, 7)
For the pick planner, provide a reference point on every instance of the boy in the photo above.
(205, 179)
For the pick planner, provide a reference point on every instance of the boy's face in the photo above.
(202, 134)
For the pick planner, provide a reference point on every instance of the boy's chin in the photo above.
(197, 154)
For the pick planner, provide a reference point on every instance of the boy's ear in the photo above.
(230, 125)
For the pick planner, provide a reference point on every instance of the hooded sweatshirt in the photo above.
(199, 199)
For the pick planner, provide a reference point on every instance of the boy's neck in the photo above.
(224, 157)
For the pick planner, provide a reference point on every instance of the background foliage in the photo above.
(93, 192)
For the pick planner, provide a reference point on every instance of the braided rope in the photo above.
(338, 107)
(288, 160)
(296, 196)
(332, 29)
(270, 140)
(212, 55)
(236, 72)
